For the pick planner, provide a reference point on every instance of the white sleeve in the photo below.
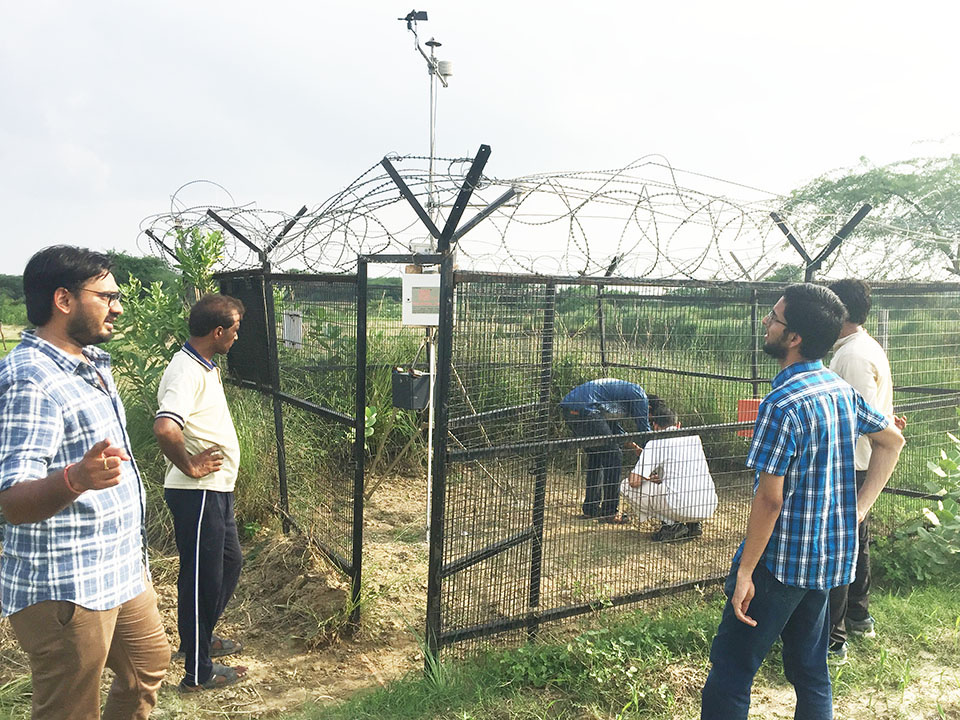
(649, 459)
(177, 394)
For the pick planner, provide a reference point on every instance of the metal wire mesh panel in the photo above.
(315, 320)
(320, 481)
(497, 397)
(919, 328)
(316, 326)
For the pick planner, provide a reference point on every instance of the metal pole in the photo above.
(602, 327)
(540, 470)
(431, 419)
(432, 208)
(359, 439)
(755, 342)
(435, 558)
(274, 361)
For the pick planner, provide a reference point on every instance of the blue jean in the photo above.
(604, 462)
(799, 617)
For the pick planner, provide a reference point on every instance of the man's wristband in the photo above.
(66, 479)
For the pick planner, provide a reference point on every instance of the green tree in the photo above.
(12, 287)
(147, 269)
(916, 199)
(786, 274)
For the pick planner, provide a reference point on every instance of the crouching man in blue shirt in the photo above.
(802, 532)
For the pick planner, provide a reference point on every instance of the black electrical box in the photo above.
(411, 389)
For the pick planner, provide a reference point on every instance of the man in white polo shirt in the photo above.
(861, 361)
(196, 434)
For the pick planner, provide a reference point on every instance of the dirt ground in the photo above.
(289, 613)
(933, 693)
(289, 610)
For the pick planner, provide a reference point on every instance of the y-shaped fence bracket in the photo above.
(811, 265)
(450, 233)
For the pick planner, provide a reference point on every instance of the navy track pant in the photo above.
(210, 561)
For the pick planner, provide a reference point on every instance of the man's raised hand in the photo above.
(100, 467)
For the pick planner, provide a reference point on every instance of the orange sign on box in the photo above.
(747, 412)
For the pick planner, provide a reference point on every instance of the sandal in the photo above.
(220, 677)
(220, 646)
(614, 520)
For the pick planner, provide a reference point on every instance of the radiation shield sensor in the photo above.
(421, 300)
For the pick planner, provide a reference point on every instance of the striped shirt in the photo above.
(806, 431)
(53, 408)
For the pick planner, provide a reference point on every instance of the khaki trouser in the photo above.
(69, 646)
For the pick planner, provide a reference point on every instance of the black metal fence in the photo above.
(508, 551)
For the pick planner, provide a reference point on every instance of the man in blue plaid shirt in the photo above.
(73, 576)
(802, 532)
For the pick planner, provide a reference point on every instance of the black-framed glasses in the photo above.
(772, 317)
(112, 298)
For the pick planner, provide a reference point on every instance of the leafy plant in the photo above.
(197, 254)
(931, 540)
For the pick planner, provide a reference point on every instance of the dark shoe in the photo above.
(670, 532)
(694, 529)
(614, 520)
(222, 676)
(220, 647)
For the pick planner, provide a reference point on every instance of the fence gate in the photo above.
(301, 341)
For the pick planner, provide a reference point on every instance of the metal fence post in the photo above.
(540, 468)
(439, 486)
(602, 327)
(755, 342)
(359, 439)
(274, 360)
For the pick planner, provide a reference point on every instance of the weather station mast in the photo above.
(437, 70)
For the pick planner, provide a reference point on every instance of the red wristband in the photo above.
(66, 479)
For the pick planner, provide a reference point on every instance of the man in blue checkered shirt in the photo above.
(73, 575)
(802, 531)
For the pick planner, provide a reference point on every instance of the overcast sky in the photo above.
(109, 107)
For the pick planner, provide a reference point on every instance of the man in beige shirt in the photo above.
(862, 362)
(196, 434)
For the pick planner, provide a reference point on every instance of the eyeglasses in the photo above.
(771, 317)
(112, 298)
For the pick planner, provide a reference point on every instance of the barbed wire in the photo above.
(647, 219)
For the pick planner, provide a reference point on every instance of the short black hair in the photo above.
(855, 296)
(816, 314)
(662, 415)
(55, 267)
(213, 311)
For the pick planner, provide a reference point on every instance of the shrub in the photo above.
(928, 546)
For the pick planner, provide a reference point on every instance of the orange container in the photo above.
(747, 412)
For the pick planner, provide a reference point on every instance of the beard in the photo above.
(776, 350)
(88, 329)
